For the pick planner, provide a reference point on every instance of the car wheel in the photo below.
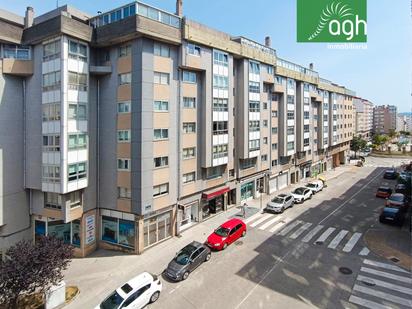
(282, 210)
(244, 233)
(185, 275)
(207, 257)
(224, 246)
(154, 297)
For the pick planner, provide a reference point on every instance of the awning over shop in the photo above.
(212, 194)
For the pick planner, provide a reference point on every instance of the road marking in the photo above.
(364, 252)
(338, 238)
(270, 222)
(367, 303)
(289, 228)
(279, 225)
(387, 285)
(325, 234)
(264, 218)
(384, 265)
(347, 201)
(312, 233)
(352, 242)
(386, 275)
(255, 216)
(383, 295)
(300, 230)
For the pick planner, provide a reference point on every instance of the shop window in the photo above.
(157, 229)
(109, 229)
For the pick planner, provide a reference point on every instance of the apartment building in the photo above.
(364, 118)
(404, 122)
(384, 119)
(137, 123)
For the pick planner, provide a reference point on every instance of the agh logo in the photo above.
(331, 21)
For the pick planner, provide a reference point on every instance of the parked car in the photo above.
(398, 200)
(280, 203)
(383, 192)
(301, 194)
(187, 260)
(136, 293)
(392, 214)
(405, 177)
(315, 186)
(401, 188)
(227, 233)
(390, 174)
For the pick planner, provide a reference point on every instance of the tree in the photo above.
(30, 268)
(392, 133)
(357, 144)
(380, 140)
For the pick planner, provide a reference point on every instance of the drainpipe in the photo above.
(98, 147)
(24, 133)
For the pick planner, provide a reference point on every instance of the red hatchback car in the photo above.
(226, 234)
(383, 192)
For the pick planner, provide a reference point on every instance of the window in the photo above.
(220, 105)
(274, 130)
(291, 146)
(123, 136)
(220, 151)
(189, 77)
(77, 141)
(51, 111)
(77, 81)
(247, 163)
(325, 141)
(279, 80)
(161, 50)
(306, 101)
(193, 49)
(254, 145)
(190, 102)
(77, 111)
(254, 126)
(220, 82)
(254, 106)
(306, 142)
(291, 99)
(305, 115)
(51, 81)
(214, 172)
(306, 87)
(265, 123)
(51, 50)
(125, 50)
(161, 162)
(264, 158)
(274, 163)
(269, 69)
(161, 190)
(291, 130)
(189, 153)
(306, 128)
(118, 231)
(124, 107)
(220, 127)
(51, 143)
(74, 199)
(274, 146)
(291, 83)
(123, 192)
(291, 115)
(161, 78)
(52, 200)
(77, 51)
(265, 140)
(123, 164)
(77, 171)
(232, 173)
(254, 67)
(51, 173)
(220, 58)
(125, 78)
(160, 106)
(189, 177)
(274, 114)
(254, 87)
(265, 105)
(160, 134)
(189, 127)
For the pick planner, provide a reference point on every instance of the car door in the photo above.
(307, 194)
(195, 259)
(232, 234)
(138, 299)
(239, 231)
(289, 202)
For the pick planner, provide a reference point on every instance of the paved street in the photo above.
(291, 260)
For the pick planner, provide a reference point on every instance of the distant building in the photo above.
(384, 119)
(404, 122)
(363, 117)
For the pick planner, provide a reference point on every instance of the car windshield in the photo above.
(222, 232)
(112, 302)
(311, 185)
(277, 200)
(299, 191)
(396, 198)
(384, 189)
(183, 255)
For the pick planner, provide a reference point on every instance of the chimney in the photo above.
(179, 7)
(28, 20)
(311, 66)
(268, 41)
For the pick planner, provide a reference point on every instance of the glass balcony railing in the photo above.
(15, 52)
(296, 67)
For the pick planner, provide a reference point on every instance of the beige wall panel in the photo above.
(161, 92)
(162, 64)
(160, 176)
(124, 150)
(124, 121)
(124, 64)
(124, 205)
(124, 179)
(160, 148)
(124, 93)
(189, 140)
(161, 120)
(188, 166)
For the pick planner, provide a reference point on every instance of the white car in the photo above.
(301, 194)
(280, 203)
(135, 294)
(315, 186)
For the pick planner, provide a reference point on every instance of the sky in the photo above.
(381, 74)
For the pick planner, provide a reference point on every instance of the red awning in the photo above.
(211, 195)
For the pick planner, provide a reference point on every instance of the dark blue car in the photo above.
(392, 214)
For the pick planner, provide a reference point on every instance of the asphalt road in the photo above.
(278, 264)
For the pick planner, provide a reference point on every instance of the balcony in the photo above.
(103, 69)
(17, 67)
(290, 69)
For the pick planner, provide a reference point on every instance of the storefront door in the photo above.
(246, 191)
(157, 229)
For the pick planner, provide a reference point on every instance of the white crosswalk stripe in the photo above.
(269, 223)
(383, 287)
(260, 220)
(253, 217)
(352, 242)
(300, 230)
(364, 251)
(288, 228)
(338, 238)
(312, 233)
(278, 226)
(325, 234)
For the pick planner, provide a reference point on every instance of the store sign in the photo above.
(90, 229)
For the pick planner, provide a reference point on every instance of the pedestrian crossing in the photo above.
(382, 285)
(308, 232)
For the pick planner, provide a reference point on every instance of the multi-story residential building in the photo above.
(137, 123)
(404, 122)
(384, 119)
(364, 118)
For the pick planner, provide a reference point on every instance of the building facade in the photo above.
(364, 118)
(138, 123)
(384, 119)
